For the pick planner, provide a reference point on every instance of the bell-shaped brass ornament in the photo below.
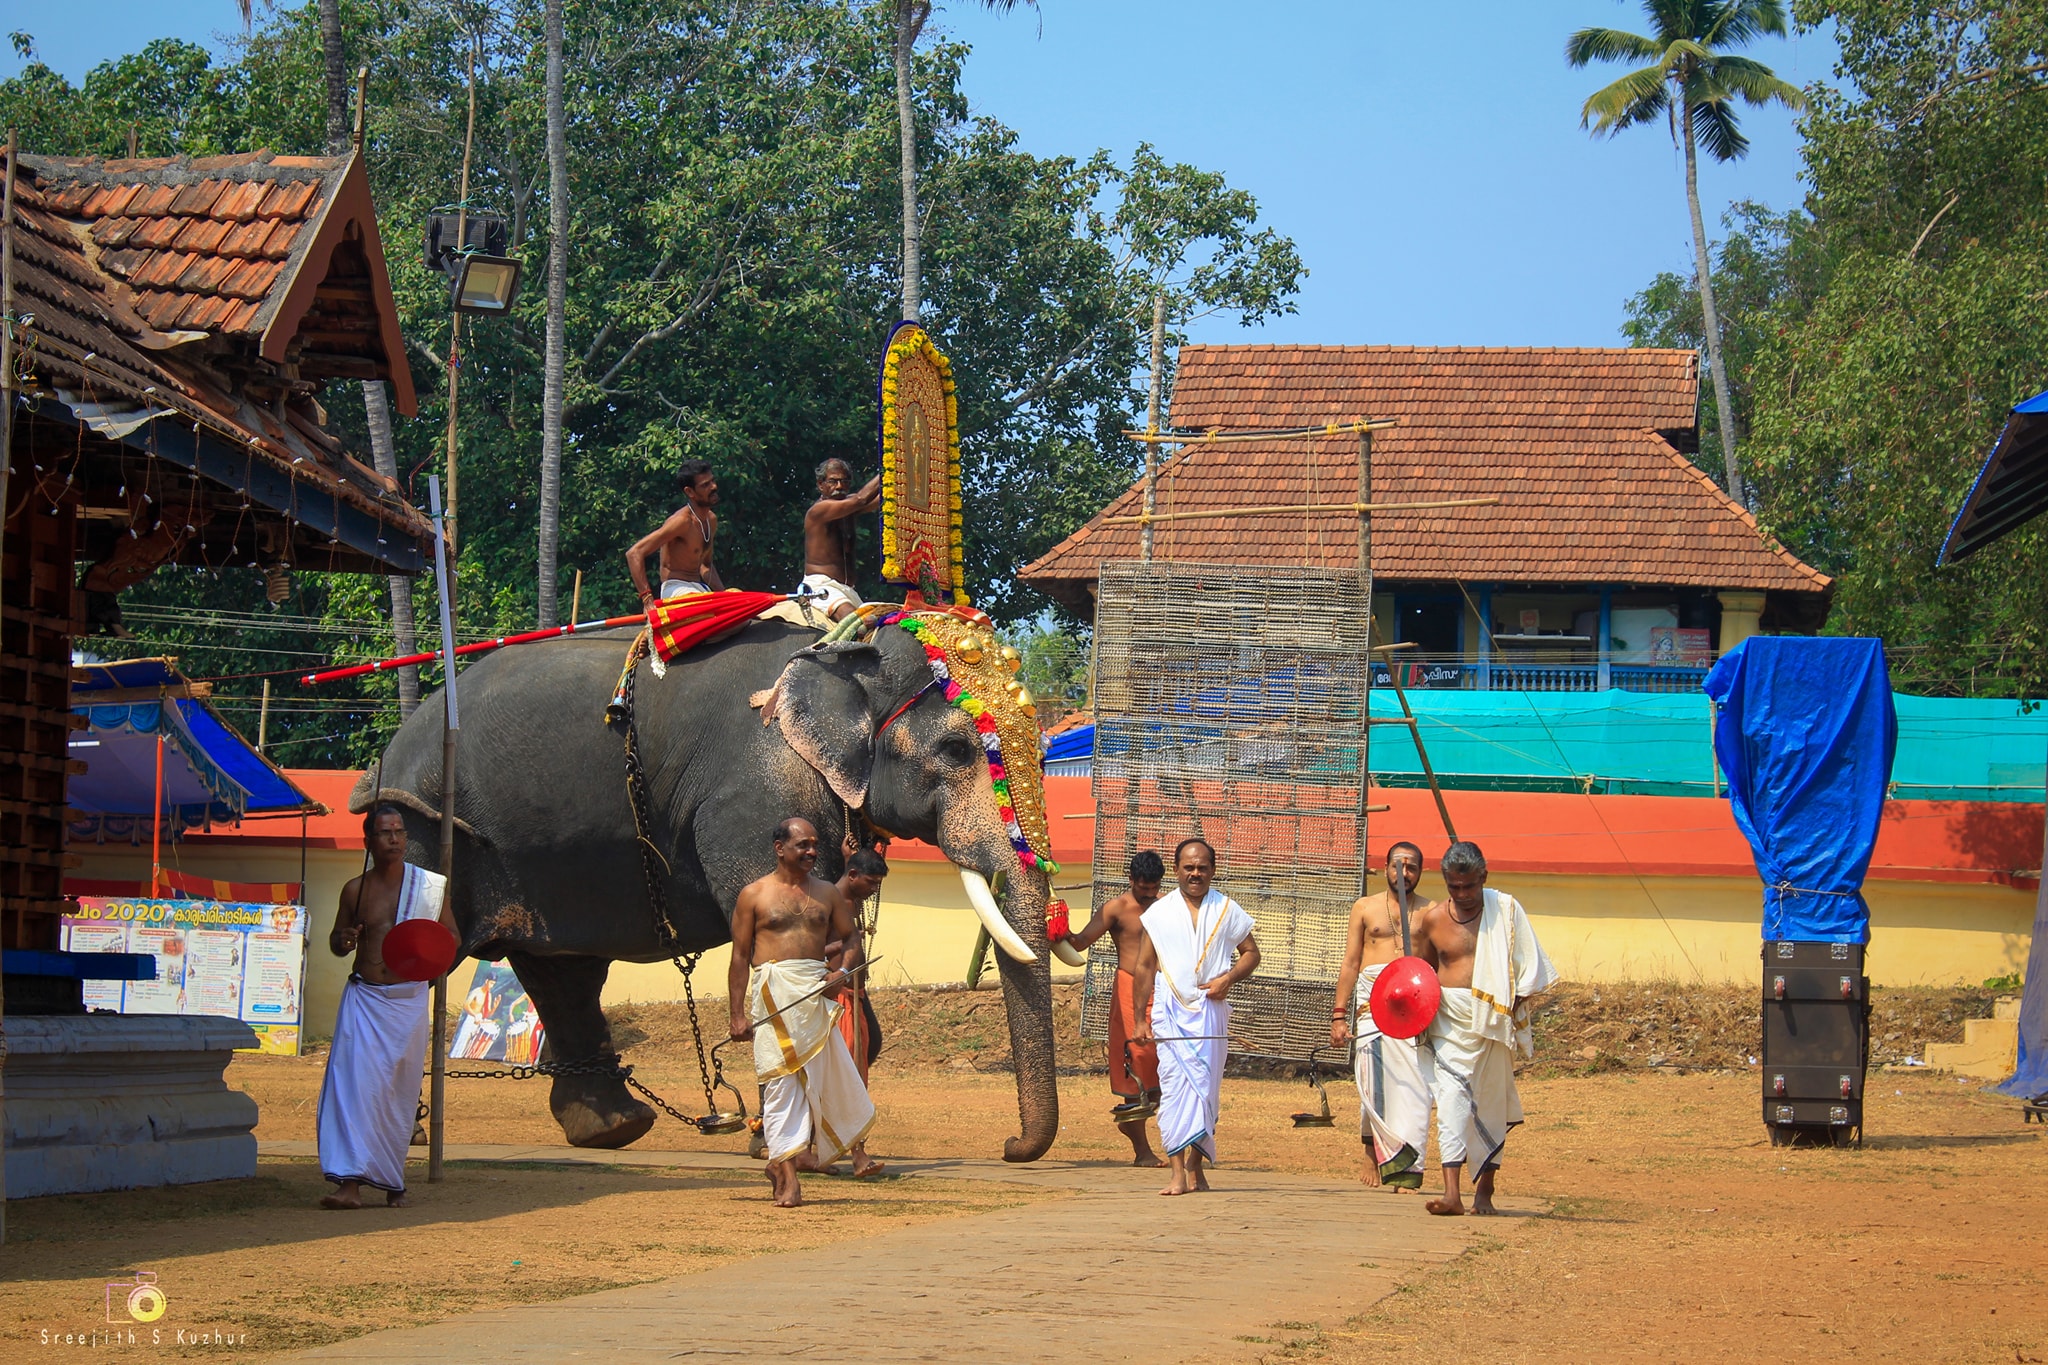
(969, 651)
(1012, 661)
(1026, 702)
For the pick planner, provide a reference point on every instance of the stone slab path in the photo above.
(1111, 1273)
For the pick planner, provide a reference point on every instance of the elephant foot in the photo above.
(599, 1115)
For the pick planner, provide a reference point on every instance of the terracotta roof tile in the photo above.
(114, 232)
(160, 269)
(197, 198)
(1568, 439)
(208, 274)
(248, 279)
(242, 319)
(201, 234)
(239, 204)
(155, 202)
(288, 200)
(278, 244)
(245, 240)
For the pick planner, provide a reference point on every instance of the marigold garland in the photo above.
(907, 340)
(985, 728)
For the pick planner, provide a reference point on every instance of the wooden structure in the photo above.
(171, 327)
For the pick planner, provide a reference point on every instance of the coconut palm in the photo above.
(910, 20)
(1691, 81)
(554, 362)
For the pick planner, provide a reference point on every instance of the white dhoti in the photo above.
(371, 1093)
(1474, 1081)
(811, 1092)
(834, 593)
(681, 587)
(1393, 1093)
(1472, 1041)
(370, 1097)
(1194, 946)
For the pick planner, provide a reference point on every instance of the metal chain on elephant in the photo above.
(598, 1064)
(654, 867)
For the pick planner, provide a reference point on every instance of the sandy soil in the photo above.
(1672, 1227)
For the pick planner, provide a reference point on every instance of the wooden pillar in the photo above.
(1365, 693)
(1605, 643)
(1486, 637)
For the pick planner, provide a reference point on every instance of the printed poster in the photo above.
(498, 1024)
(230, 959)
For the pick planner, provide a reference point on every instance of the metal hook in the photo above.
(1320, 1117)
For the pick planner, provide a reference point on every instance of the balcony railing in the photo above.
(1449, 672)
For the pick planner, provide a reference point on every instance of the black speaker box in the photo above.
(1816, 1045)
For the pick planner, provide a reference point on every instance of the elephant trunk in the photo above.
(1027, 994)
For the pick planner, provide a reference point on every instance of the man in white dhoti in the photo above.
(786, 1000)
(370, 1095)
(1393, 1088)
(1492, 969)
(683, 541)
(1197, 944)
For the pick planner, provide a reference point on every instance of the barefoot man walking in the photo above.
(1393, 1090)
(1191, 937)
(372, 1085)
(1491, 968)
(1137, 1081)
(784, 999)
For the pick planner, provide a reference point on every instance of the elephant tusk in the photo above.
(991, 916)
(1069, 954)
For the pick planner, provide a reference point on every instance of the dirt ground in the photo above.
(1660, 1223)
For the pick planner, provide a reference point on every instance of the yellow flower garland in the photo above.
(911, 340)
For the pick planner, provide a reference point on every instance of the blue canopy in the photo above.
(211, 774)
(1806, 738)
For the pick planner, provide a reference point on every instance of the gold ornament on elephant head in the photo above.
(974, 669)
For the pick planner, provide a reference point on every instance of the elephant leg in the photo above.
(594, 1111)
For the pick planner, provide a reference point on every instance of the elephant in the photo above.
(768, 723)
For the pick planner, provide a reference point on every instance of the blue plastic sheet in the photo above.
(1806, 738)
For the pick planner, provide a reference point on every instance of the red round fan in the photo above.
(1405, 997)
(419, 950)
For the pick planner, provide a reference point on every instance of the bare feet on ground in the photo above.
(1482, 1195)
(397, 1199)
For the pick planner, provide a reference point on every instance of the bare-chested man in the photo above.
(1121, 919)
(369, 1096)
(684, 540)
(1491, 968)
(866, 870)
(1393, 1088)
(828, 535)
(811, 1096)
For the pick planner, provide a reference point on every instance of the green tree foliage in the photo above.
(735, 224)
(1877, 394)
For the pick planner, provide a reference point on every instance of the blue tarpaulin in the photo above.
(1806, 738)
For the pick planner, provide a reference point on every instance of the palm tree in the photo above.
(1691, 82)
(555, 360)
(910, 20)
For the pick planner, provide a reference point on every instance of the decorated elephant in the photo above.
(911, 722)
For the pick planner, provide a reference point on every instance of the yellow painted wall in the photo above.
(1596, 928)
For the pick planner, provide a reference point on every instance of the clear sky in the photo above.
(1427, 159)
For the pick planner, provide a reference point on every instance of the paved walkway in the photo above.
(1114, 1273)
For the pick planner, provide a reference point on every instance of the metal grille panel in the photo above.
(1231, 708)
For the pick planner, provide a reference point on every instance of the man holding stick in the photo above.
(828, 536)
(1191, 938)
(1393, 1084)
(1133, 1070)
(1491, 968)
(811, 1095)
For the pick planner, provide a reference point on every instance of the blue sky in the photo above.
(1427, 159)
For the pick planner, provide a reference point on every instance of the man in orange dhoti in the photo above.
(1120, 919)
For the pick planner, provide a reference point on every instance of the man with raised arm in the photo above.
(369, 1095)
(1393, 1085)
(684, 541)
(1133, 1070)
(785, 998)
(828, 536)
(1492, 969)
(1197, 944)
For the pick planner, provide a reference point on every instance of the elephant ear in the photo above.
(827, 717)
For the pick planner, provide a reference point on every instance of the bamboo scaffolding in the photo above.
(1353, 509)
(1218, 436)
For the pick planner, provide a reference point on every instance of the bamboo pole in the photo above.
(263, 720)
(437, 1085)
(576, 597)
(1361, 509)
(1219, 436)
(1364, 509)
(1152, 423)
(156, 823)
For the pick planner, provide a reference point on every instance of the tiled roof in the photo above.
(1580, 446)
(109, 329)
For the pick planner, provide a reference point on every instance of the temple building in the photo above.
(1611, 561)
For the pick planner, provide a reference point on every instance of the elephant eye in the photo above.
(954, 749)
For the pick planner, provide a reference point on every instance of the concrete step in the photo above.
(1989, 1049)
